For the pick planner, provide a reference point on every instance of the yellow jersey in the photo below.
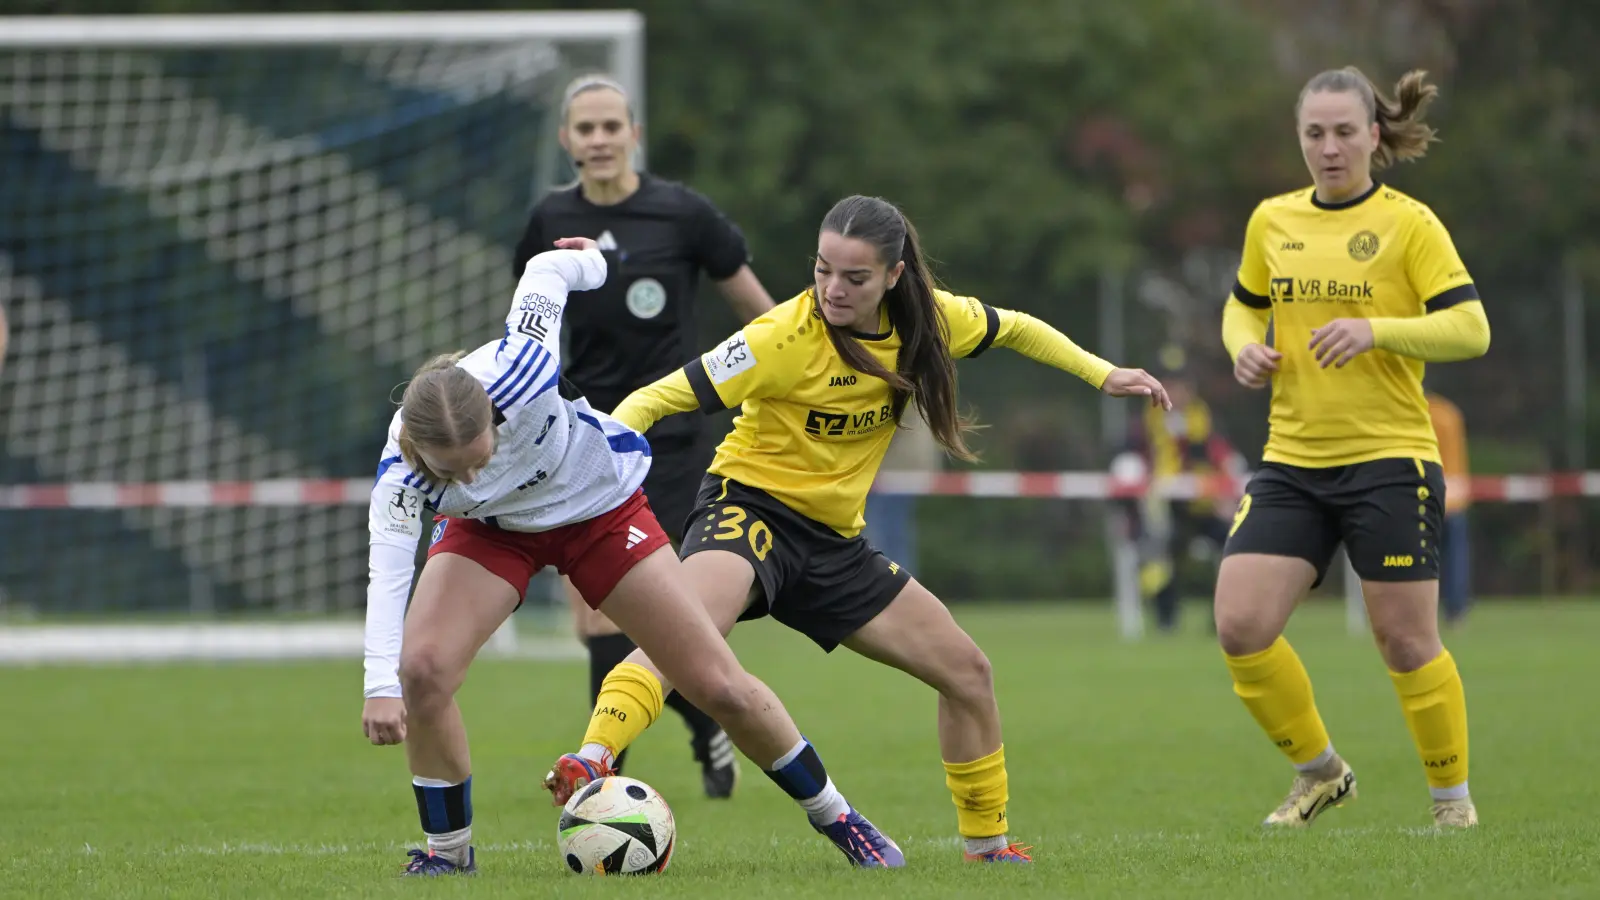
(811, 431)
(1382, 255)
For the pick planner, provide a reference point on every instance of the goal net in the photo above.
(223, 242)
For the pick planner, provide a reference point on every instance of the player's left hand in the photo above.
(1341, 340)
(576, 244)
(1136, 383)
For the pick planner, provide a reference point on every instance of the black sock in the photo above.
(444, 809)
(701, 726)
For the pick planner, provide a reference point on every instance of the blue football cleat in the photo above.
(862, 843)
(424, 862)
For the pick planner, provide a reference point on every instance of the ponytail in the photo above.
(1402, 134)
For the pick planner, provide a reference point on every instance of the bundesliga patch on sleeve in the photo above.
(728, 360)
(404, 509)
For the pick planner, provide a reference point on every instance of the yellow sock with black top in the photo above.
(629, 701)
(979, 791)
(1276, 689)
(1435, 706)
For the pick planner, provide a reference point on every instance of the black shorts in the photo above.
(677, 466)
(1389, 513)
(813, 579)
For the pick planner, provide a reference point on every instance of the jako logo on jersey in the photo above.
(1294, 245)
(1399, 562)
(728, 360)
(841, 381)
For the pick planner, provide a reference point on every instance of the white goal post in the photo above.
(223, 240)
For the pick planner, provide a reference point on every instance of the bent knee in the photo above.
(966, 675)
(1407, 651)
(1241, 635)
(426, 672)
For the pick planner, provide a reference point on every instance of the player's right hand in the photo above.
(1255, 365)
(383, 720)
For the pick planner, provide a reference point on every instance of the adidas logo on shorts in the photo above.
(635, 536)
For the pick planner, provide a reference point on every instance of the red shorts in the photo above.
(594, 554)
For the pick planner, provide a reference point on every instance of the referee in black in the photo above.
(658, 236)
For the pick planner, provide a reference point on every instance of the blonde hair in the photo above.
(1402, 135)
(443, 407)
(583, 84)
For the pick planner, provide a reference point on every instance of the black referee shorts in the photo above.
(813, 579)
(1389, 513)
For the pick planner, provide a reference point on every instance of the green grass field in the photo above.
(1134, 773)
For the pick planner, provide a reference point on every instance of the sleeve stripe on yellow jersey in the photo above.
(700, 383)
(1456, 295)
(991, 330)
(1254, 301)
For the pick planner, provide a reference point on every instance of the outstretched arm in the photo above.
(1040, 342)
(721, 378)
(650, 404)
(975, 326)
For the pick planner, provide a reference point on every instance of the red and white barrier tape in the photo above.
(304, 492)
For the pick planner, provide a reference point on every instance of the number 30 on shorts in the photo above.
(1238, 516)
(731, 527)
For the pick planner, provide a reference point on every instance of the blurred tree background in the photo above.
(1049, 150)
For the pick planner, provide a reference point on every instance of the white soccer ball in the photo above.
(616, 826)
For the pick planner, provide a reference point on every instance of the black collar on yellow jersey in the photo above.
(1346, 204)
(816, 309)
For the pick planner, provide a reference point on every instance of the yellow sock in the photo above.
(978, 789)
(1435, 705)
(1276, 689)
(630, 699)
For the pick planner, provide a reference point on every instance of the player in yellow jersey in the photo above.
(821, 383)
(1362, 285)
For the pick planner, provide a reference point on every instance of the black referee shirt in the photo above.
(640, 324)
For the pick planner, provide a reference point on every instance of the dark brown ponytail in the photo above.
(924, 370)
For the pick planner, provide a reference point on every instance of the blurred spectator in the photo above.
(892, 518)
(1456, 567)
(1179, 442)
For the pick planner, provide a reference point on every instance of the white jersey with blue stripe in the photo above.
(556, 460)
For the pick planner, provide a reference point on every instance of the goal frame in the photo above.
(623, 28)
(621, 31)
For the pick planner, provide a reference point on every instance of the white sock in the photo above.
(1455, 792)
(825, 808)
(1321, 762)
(791, 756)
(597, 753)
(987, 845)
(452, 845)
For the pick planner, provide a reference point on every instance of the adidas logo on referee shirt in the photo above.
(634, 537)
